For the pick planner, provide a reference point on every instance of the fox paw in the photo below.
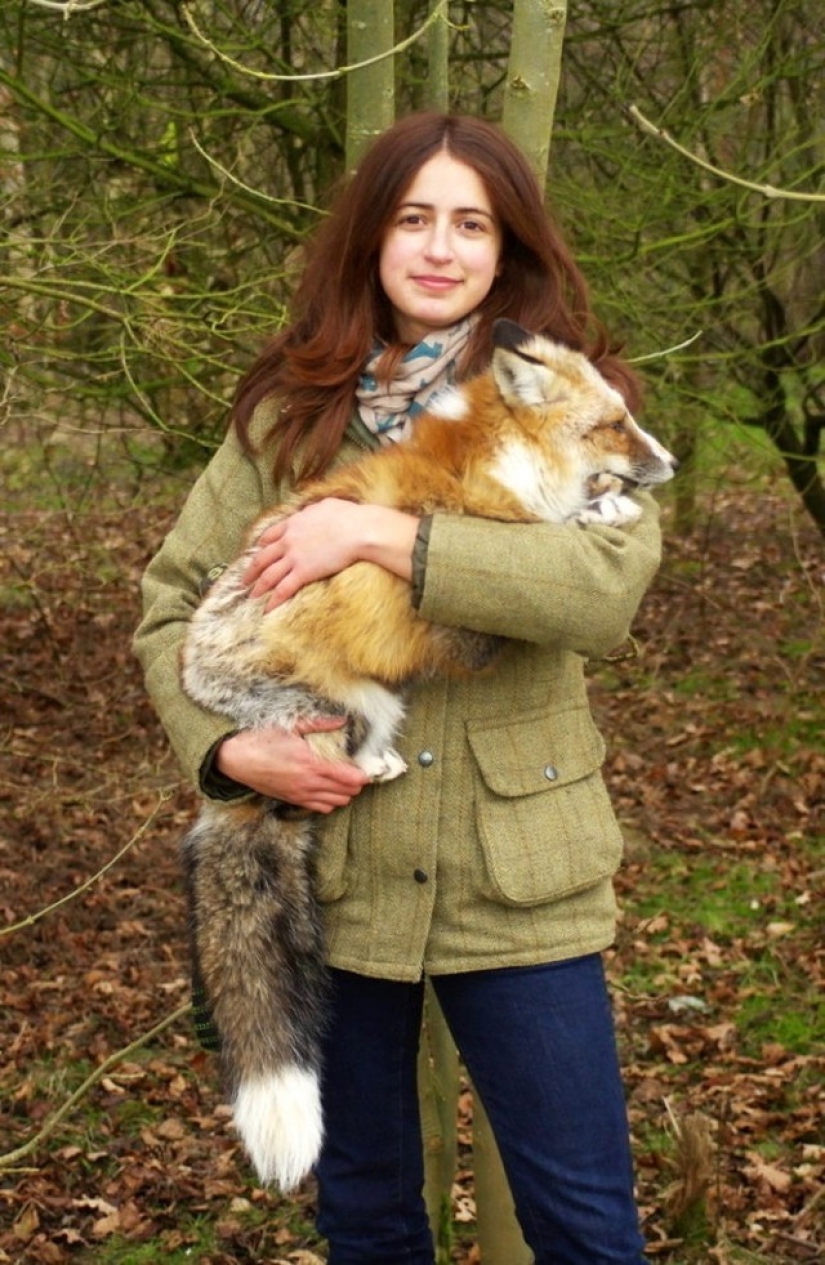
(611, 510)
(384, 767)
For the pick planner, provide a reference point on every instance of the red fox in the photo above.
(539, 437)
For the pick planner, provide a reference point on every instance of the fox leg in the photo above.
(380, 711)
(611, 510)
(331, 744)
(359, 743)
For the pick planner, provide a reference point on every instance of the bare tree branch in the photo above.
(768, 190)
(339, 72)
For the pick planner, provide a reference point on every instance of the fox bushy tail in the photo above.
(259, 976)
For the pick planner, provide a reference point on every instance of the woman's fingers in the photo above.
(267, 558)
(315, 542)
(282, 765)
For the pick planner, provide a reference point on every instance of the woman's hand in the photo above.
(327, 537)
(281, 765)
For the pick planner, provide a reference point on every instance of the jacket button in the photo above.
(551, 772)
(420, 876)
(425, 759)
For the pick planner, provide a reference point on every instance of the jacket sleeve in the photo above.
(225, 500)
(577, 588)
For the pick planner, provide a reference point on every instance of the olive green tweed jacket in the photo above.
(498, 847)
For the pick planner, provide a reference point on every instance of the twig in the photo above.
(438, 14)
(768, 190)
(7, 1160)
(811, 1250)
(31, 919)
(68, 7)
(667, 351)
(42, 611)
(809, 1207)
(246, 188)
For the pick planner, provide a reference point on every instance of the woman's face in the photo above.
(440, 255)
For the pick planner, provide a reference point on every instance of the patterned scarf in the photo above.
(388, 409)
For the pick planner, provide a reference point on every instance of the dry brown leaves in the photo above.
(84, 765)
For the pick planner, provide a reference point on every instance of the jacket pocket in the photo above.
(544, 817)
(332, 856)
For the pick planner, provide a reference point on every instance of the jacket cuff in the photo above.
(419, 559)
(216, 785)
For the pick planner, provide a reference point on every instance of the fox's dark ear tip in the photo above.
(509, 334)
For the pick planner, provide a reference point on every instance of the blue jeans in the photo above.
(539, 1045)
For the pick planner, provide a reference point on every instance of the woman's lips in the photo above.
(436, 283)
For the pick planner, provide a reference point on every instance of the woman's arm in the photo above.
(574, 587)
(208, 534)
(324, 538)
(225, 764)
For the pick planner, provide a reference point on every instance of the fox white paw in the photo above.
(612, 510)
(384, 767)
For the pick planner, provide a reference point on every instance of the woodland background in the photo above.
(160, 164)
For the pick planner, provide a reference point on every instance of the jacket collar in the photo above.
(359, 434)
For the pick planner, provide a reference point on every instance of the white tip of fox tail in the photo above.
(279, 1120)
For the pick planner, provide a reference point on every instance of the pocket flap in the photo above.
(536, 753)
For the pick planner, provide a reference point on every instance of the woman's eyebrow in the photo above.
(456, 210)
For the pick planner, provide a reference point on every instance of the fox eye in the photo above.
(618, 426)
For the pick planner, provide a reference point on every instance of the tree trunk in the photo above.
(533, 72)
(437, 93)
(438, 1087)
(803, 469)
(500, 1239)
(371, 89)
(530, 98)
(16, 253)
(499, 1233)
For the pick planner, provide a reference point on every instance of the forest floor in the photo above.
(717, 769)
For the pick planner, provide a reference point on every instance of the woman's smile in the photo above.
(436, 283)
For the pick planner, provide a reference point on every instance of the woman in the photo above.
(488, 866)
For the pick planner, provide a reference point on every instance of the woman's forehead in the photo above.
(443, 181)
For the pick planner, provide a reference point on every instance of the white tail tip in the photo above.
(279, 1120)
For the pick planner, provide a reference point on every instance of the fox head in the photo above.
(561, 400)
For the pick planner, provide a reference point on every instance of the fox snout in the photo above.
(650, 461)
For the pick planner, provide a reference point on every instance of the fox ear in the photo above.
(508, 334)
(523, 380)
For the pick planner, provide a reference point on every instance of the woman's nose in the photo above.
(439, 245)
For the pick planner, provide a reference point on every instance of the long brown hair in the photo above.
(339, 308)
